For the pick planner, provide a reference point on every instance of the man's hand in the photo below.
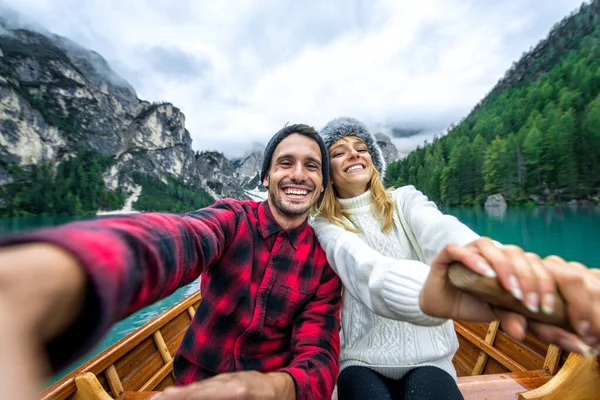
(246, 385)
(41, 293)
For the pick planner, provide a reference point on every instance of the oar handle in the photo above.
(490, 291)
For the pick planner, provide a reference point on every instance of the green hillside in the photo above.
(536, 136)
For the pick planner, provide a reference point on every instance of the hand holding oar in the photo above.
(490, 291)
(516, 302)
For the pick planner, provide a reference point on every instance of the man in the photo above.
(269, 314)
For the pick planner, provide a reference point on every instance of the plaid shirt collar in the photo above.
(268, 226)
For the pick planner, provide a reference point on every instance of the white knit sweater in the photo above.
(383, 326)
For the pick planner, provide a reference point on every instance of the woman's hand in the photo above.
(529, 279)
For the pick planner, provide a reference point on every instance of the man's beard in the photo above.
(288, 210)
(284, 209)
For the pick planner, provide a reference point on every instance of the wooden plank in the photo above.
(500, 386)
(158, 377)
(168, 381)
(173, 332)
(579, 378)
(143, 372)
(162, 346)
(551, 363)
(509, 363)
(114, 381)
(66, 386)
(489, 339)
(494, 367)
(104, 383)
(530, 353)
(191, 312)
(520, 352)
(88, 388)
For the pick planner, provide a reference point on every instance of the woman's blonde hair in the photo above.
(329, 206)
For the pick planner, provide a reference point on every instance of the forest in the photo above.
(172, 196)
(75, 187)
(535, 138)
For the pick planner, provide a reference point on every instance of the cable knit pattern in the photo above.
(383, 326)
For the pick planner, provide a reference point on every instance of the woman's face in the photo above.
(351, 166)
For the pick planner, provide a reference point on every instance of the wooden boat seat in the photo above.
(501, 386)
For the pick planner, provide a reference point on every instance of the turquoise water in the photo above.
(568, 232)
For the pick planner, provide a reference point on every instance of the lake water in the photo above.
(571, 233)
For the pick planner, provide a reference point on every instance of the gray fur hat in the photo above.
(346, 126)
(301, 129)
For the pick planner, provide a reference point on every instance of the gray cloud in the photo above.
(239, 70)
(176, 63)
(288, 27)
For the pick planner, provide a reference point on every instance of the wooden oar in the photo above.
(490, 290)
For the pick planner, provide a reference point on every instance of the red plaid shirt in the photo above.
(270, 302)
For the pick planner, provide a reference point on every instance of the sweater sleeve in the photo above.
(432, 229)
(386, 286)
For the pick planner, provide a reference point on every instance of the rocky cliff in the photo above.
(390, 151)
(57, 98)
(60, 102)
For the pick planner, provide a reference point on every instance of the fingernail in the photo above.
(590, 340)
(548, 302)
(514, 287)
(486, 269)
(583, 327)
(587, 351)
(533, 302)
(156, 397)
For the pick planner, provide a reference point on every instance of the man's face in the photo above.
(295, 179)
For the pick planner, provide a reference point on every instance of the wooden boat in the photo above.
(490, 364)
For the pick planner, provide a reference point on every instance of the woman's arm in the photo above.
(387, 286)
(432, 229)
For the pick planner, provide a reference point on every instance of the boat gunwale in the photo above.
(100, 362)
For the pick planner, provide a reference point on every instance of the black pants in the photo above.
(362, 383)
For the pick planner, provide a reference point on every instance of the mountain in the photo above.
(390, 151)
(76, 139)
(535, 138)
(70, 127)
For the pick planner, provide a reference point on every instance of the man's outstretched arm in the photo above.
(126, 263)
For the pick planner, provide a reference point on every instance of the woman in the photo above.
(381, 244)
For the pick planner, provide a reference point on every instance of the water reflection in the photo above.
(496, 212)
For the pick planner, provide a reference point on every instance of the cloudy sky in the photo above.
(241, 69)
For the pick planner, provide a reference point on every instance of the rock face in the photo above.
(390, 152)
(56, 96)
